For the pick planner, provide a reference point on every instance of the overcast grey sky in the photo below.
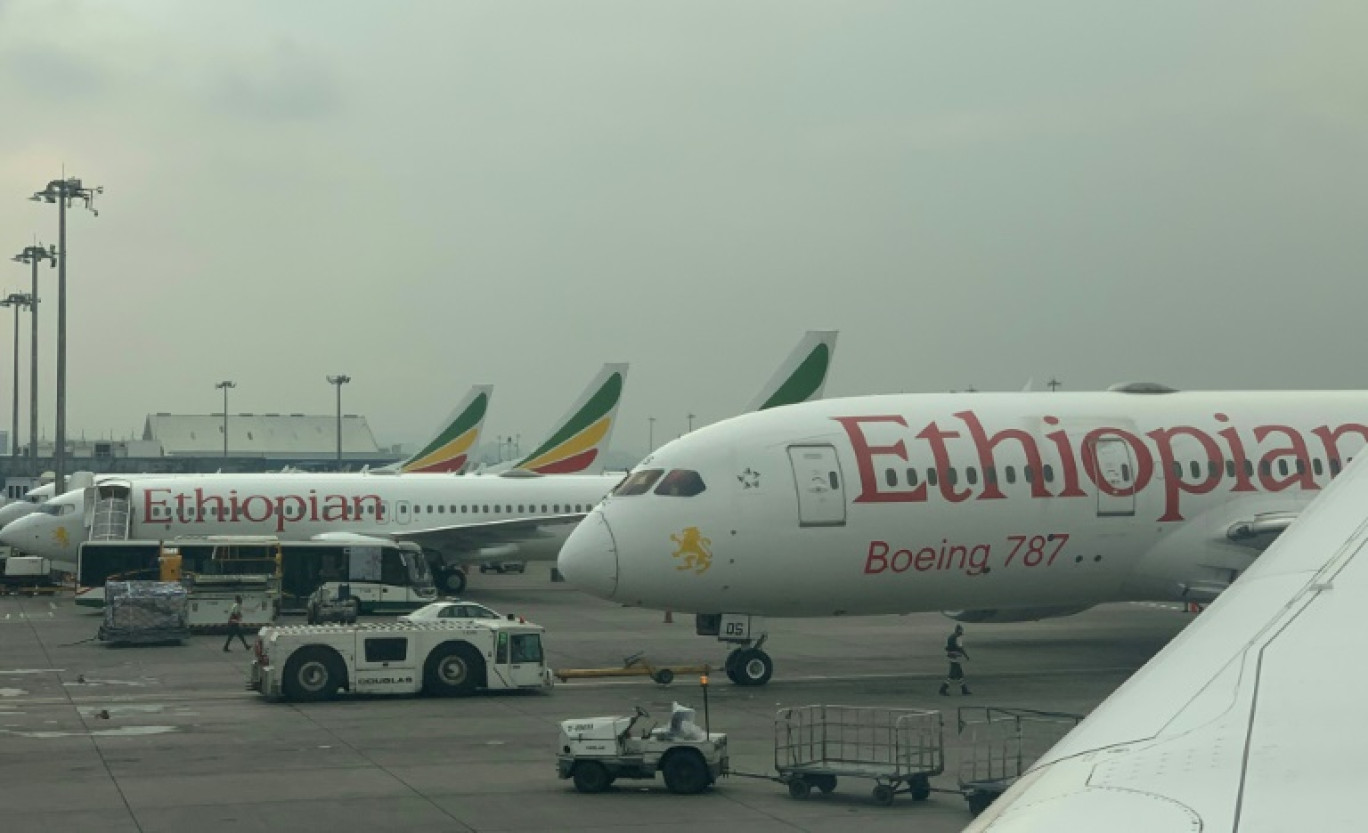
(427, 195)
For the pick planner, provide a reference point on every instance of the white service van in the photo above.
(443, 658)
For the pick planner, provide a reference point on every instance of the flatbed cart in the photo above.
(899, 749)
(635, 665)
(999, 744)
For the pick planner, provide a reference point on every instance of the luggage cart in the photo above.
(900, 749)
(999, 744)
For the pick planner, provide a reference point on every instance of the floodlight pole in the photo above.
(18, 300)
(650, 435)
(225, 386)
(62, 192)
(34, 255)
(338, 381)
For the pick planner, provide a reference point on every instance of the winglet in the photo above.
(803, 374)
(450, 449)
(582, 434)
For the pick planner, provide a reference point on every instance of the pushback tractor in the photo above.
(441, 658)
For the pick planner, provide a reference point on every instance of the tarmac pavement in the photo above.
(185, 747)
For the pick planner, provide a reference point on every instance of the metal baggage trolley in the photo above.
(999, 744)
(900, 749)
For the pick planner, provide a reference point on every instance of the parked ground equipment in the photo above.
(453, 657)
(999, 744)
(28, 574)
(144, 612)
(900, 749)
(596, 751)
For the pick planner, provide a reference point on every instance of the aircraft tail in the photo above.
(802, 376)
(449, 450)
(582, 434)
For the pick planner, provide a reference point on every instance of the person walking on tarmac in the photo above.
(956, 655)
(235, 625)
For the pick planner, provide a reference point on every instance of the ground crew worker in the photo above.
(235, 624)
(955, 653)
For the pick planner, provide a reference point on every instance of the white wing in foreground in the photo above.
(1248, 721)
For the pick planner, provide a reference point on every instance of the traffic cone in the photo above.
(669, 617)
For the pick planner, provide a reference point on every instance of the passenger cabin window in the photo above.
(971, 475)
(681, 483)
(1334, 466)
(1196, 470)
(1049, 473)
(1230, 468)
(932, 477)
(912, 477)
(386, 649)
(891, 477)
(638, 483)
(1317, 467)
(1011, 474)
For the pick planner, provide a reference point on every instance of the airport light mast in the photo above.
(225, 386)
(18, 300)
(338, 381)
(63, 192)
(35, 255)
(650, 434)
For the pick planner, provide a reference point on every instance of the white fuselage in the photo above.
(301, 507)
(905, 503)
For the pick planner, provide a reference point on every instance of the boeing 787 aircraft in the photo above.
(996, 507)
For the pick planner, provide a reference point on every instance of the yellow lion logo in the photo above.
(60, 536)
(694, 548)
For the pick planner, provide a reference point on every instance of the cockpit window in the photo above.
(638, 483)
(56, 508)
(681, 483)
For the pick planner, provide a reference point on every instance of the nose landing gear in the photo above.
(749, 667)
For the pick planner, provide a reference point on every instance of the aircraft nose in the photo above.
(20, 534)
(589, 558)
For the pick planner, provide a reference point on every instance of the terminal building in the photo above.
(191, 443)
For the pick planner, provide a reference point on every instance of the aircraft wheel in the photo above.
(753, 667)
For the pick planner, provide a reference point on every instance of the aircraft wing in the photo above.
(476, 536)
(1248, 721)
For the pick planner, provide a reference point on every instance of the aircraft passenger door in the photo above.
(817, 477)
(1115, 469)
(401, 511)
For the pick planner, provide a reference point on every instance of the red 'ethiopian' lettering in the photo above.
(1164, 454)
